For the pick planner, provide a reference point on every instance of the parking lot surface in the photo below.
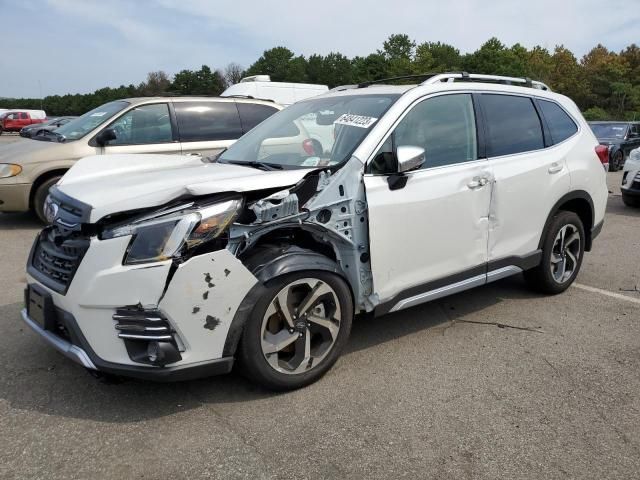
(496, 382)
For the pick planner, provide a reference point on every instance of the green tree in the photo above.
(198, 82)
(281, 65)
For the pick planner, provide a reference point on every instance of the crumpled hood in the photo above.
(119, 183)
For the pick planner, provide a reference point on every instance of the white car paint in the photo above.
(631, 174)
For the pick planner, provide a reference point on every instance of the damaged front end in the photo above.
(326, 213)
(163, 293)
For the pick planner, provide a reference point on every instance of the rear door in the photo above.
(144, 129)
(431, 233)
(206, 128)
(530, 169)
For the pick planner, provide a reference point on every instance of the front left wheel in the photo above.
(40, 197)
(297, 330)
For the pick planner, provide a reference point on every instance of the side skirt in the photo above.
(495, 270)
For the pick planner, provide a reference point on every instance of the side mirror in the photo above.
(409, 158)
(105, 136)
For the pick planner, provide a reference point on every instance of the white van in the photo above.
(261, 86)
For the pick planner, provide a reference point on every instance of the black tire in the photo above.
(0, 130)
(252, 361)
(41, 195)
(541, 277)
(617, 161)
(630, 201)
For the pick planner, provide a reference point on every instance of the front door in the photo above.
(433, 232)
(144, 129)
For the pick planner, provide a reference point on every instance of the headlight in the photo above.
(160, 237)
(9, 170)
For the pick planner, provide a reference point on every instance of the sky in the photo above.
(77, 46)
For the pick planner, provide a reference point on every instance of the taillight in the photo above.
(307, 145)
(603, 154)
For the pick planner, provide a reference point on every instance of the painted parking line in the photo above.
(607, 293)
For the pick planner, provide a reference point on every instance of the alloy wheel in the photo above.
(565, 254)
(300, 326)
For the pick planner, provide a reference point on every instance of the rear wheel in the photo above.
(617, 161)
(562, 253)
(41, 195)
(297, 330)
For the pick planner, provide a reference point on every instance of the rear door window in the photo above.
(206, 121)
(24, 116)
(513, 125)
(559, 122)
(251, 114)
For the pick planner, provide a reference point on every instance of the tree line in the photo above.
(605, 84)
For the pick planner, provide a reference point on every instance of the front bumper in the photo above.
(14, 197)
(87, 358)
(197, 298)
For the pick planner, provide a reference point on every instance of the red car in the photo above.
(14, 120)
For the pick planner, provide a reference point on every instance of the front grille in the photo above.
(56, 258)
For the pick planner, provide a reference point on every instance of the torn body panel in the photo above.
(201, 301)
(335, 215)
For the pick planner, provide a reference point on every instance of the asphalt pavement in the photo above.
(496, 382)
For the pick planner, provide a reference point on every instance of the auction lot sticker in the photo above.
(361, 121)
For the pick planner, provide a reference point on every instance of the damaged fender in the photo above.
(202, 299)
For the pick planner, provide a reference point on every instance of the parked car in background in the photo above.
(16, 120)
(177, 125)
(261, 86)
(46, 126)
(620, 137)
(631, 180)
(173, 268)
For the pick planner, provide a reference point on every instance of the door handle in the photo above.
(555, 168)
(477, 182)
(193, 154)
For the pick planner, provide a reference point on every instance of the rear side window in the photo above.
(252, 114)
(513, 125)
(560, 124)
(201, 121)
(24, 116)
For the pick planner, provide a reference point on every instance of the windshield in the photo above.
(79, 127)
(316, 132)
(609, 130)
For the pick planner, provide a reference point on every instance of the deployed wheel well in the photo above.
(579, 203)
(41, 179)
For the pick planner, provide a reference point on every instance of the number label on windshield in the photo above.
(361, 121)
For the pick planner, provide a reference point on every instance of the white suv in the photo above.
(175, 268)
(630, 188)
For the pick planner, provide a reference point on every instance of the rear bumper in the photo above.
(14, 197)
(83, 355)
(630, 192)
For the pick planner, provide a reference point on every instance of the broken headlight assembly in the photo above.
(163, 235)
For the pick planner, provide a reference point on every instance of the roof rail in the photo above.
(475, 77)
(393, 79)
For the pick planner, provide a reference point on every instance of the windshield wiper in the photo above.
(259, 165)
